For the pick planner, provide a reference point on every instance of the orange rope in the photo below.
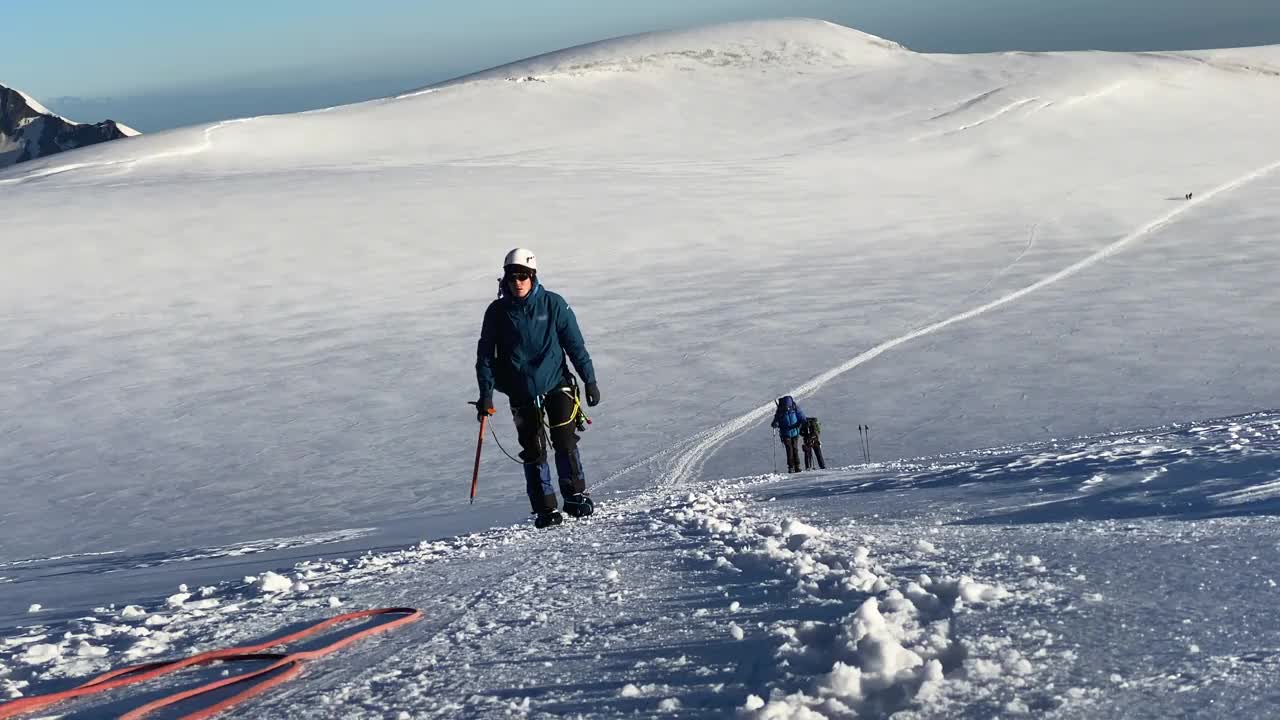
(289, 665)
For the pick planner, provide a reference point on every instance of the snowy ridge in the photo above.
(790, 43)
(41, 109)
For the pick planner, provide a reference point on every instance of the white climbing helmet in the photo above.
(522, 257)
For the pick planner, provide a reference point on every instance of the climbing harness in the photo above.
(577, 416)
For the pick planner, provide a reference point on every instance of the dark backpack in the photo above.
(811, 428)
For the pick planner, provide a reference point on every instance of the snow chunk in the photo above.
(629, 691)
(156, 643)
(91, 651)
(24, 640)
(132, 612)
(843, 681)
(12, 689)
(1016, 707)
(799, 533)
(792, 707)
(860, 556)
(35, 608)
(972, 591)
(40, 654)
(669, 705)
(270, 582)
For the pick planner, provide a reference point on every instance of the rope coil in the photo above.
(289, 666)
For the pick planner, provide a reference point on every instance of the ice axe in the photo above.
(475, 474)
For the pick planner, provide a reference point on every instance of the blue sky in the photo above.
(163, 64)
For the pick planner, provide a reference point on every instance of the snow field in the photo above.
(285, 324)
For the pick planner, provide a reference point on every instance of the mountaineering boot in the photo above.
(578, 505)
(547, 518)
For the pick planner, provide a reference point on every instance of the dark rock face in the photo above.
(29, 131)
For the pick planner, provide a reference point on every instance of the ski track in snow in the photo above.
(983, 121)
(204, 146)
(686, 464)
(1099, 93)
(1224, 65)
(961, 107)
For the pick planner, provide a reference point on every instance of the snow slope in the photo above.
(246, 345)
(1018, 581)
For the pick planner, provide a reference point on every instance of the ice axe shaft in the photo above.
(475, 472)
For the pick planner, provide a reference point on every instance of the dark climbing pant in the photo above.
(556, 417)
(793, 453)
(813, 447)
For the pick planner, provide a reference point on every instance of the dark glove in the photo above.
(484, 407)
(593, 394)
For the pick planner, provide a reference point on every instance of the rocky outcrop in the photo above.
(28, 130)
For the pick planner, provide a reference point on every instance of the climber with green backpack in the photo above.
(811, 431)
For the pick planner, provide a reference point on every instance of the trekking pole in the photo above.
(475, 473)
(868, 443)
(775, 454)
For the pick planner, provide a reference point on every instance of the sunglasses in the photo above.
(519, 276)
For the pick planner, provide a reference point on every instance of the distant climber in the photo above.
(789, 418)
(811, 431)
(1188, 196)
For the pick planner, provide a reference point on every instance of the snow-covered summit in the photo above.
(786, 42)
(29, 130)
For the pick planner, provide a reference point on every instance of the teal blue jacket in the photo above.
(523, 344)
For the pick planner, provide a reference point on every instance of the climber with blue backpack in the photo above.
(789, 419)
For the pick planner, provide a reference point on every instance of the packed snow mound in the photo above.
(787, 42)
